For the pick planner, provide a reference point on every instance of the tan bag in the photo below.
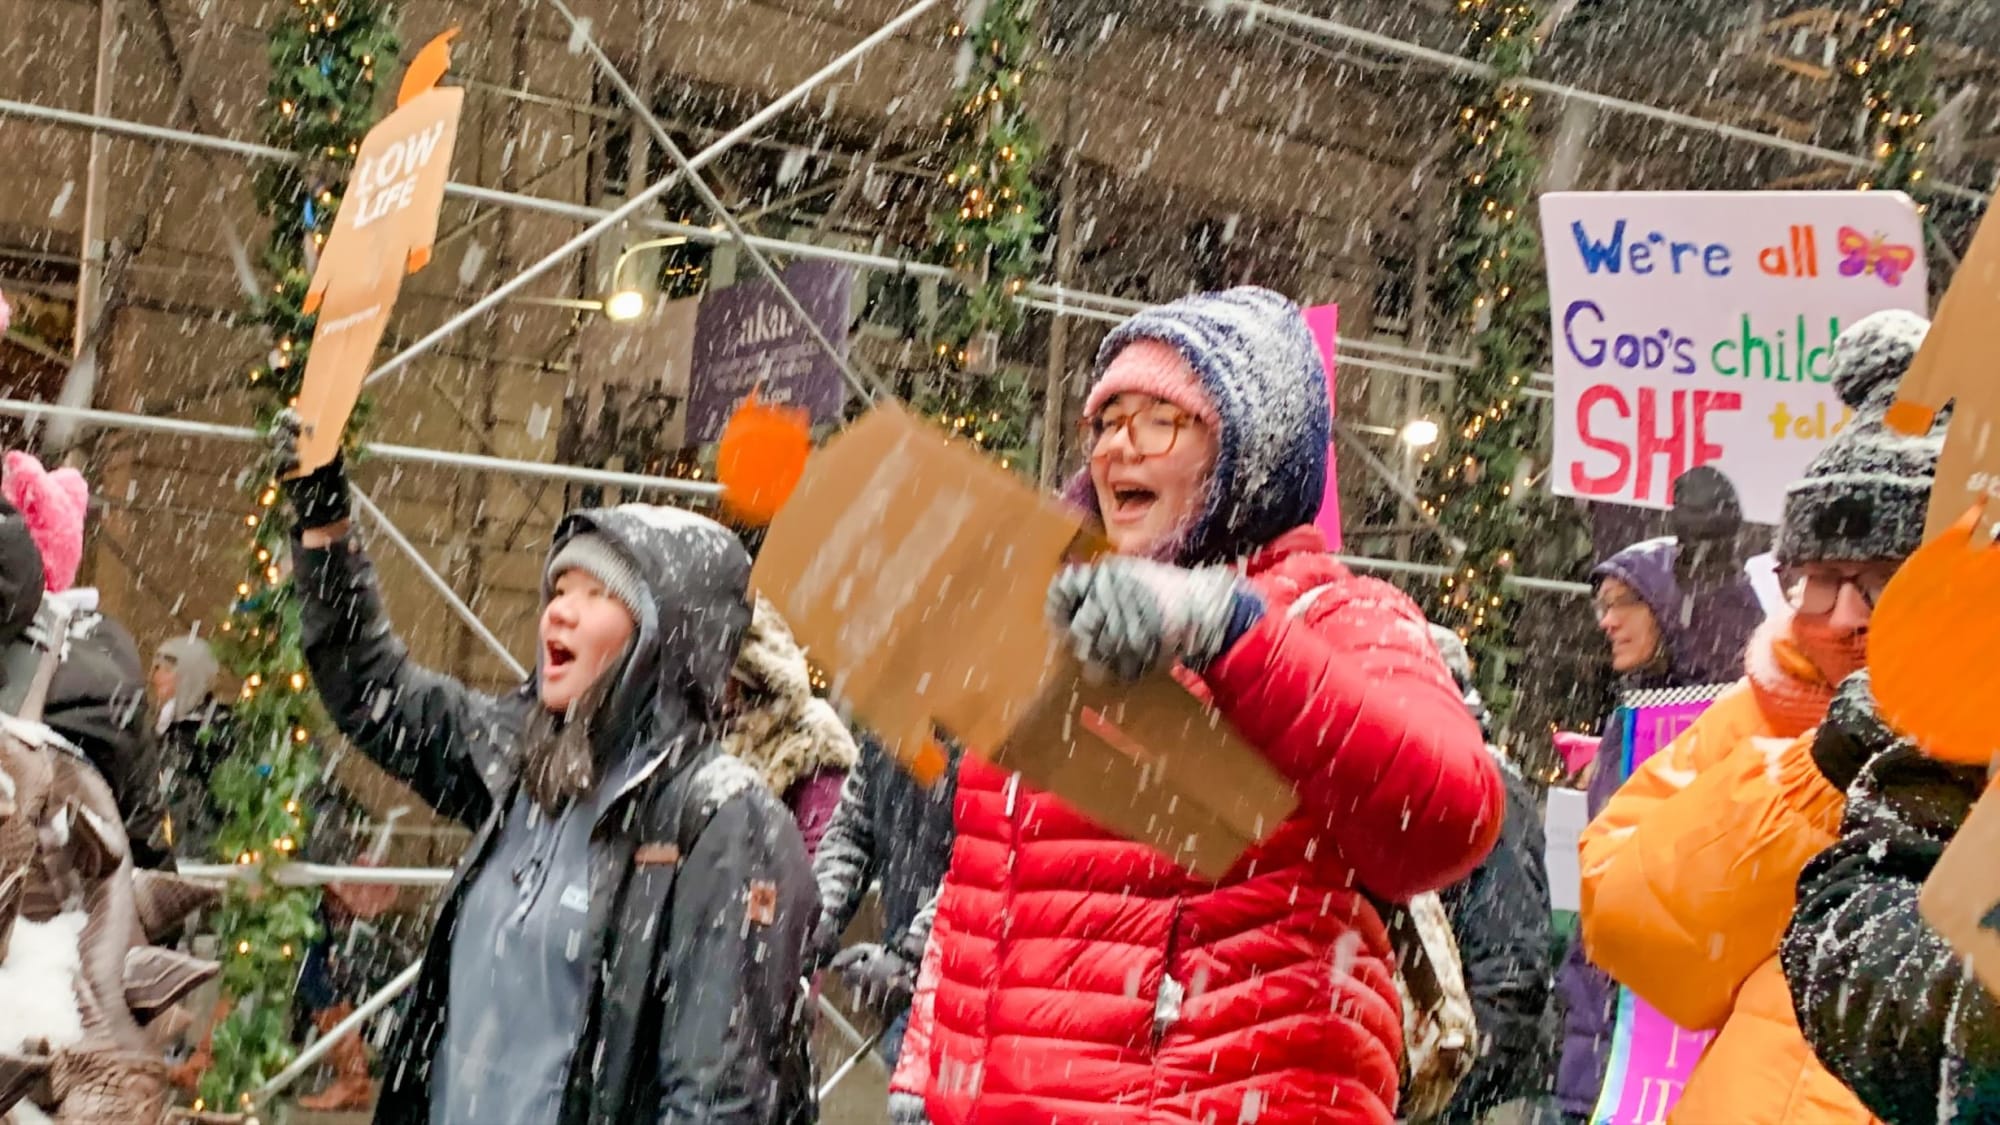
(1440, 1034)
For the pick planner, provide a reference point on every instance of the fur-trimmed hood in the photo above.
(777, 724)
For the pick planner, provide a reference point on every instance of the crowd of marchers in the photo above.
(671, 834)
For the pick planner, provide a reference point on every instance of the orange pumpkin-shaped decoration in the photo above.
(761, 458)
(1934, 647)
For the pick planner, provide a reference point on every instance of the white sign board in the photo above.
(1697, 328)
(1562, 830)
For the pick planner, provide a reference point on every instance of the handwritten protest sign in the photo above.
(1650, 1058)
(385, 229)
(1695, 328)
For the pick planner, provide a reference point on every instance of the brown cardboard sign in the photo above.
(385, 228)
(1961, 899)
(1955, 364)
(916, 573)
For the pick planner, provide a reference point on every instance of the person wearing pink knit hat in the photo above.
(97, 699)
(53, 505)
(1076, 977)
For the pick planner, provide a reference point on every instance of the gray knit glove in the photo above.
(1131, 616)
(880, 976)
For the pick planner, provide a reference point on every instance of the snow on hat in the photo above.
(1261, 374)
(597, 556)
(53, 504)
(1864, 496)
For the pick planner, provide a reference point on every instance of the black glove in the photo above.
(824, 943)
(880, 977)
(1852, 735)
(319, 498)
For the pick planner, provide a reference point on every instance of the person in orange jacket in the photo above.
(1690, 872)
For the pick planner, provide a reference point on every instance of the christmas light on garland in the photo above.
(321, 95)
(1493, 281)
(1888, 62)
(987, 229)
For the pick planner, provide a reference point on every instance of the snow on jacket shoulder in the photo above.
(1888, 1006)
(1083, 977)
(1689, 879)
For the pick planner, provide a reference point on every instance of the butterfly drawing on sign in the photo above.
(1861, 255)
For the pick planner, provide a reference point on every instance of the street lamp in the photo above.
(627, 301)
(1419, 433)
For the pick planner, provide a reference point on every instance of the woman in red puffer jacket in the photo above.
(1075, 976)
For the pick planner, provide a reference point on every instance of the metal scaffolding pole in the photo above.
(644, 199)
(408, 454)
(580, 33)
(457, 604)
(1056, 300)
(1256, 10)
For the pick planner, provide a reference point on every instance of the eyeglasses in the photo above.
(1604, 605)
(1818, 591)
(1150, 433)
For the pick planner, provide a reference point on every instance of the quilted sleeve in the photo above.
(1351, 701)
(1690, 872)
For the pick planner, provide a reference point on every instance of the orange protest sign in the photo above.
(1955, 365)
(761, 458)
(384, 230)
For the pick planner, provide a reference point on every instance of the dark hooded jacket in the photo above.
(1500, 919)
(700, 897)
(1888, 1006)
(1702, 640)
(98, 697)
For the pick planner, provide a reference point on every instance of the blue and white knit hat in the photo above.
(1864, 497)
(1257, 361)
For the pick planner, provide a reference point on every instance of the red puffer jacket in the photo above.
(1055, 938)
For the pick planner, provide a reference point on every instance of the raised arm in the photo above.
(424, 728)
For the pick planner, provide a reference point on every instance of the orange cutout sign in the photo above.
(1934, 645)
(385, 229)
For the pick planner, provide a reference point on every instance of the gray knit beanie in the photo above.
(1864, 496)
(599, 557)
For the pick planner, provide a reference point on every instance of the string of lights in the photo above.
(1492, 280)
(321, 96)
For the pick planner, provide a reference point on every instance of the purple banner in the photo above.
(747, 337)
(1650, 1058)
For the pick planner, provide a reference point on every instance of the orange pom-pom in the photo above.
(761, 458)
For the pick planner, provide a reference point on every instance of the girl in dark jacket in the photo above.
(1890, 1008)
(624, 940)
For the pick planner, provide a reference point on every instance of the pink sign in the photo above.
(1649, 1065)
(1324, 321)
(1650, 1057)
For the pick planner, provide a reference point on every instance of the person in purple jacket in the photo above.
(1670, 624)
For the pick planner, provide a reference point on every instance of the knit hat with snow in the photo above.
(600, 558)
(1863, 497)
(1261, 379)
(54, 505)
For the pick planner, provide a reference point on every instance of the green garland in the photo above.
(1887, 65)
(1493, 282)
(987, 229)
(321, 99)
